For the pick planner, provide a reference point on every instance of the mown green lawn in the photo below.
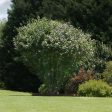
(24, 102)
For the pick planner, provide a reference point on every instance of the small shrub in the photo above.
(95, 88)
(2, 85)
(43, 89)
(76, 79)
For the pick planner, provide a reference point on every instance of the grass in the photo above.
(24, 102)
(13, 93)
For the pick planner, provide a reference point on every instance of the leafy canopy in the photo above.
(54, 50)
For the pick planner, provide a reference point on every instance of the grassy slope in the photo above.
(52, 104)
(12, 93)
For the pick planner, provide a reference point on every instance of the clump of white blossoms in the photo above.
(54, 50)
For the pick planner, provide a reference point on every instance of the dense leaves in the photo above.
(90, 15)
(54, 50)
(93, 16)
(2, 25)
(95, 88)
(107, 74)
(12, 68)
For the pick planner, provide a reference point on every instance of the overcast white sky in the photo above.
(4, 5)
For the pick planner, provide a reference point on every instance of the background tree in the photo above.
(16, 75)
(2, 25)
(90, 15)
(94, 16)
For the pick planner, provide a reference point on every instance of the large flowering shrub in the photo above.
(54, 50)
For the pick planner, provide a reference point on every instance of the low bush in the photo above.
(43, 90)
(77, 79)
(95, 88)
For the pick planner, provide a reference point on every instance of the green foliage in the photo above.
(86, 14)
(103, 53)
(90, 15)
(2, 25)
(54, 50)
(95, 88)
(21, 81)
(77, 79)
(55, 9)
(43, 90)
(14, 73)
(107, 74)
(2, 85)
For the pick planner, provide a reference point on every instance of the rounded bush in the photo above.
(54, 50)
(96, 88)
